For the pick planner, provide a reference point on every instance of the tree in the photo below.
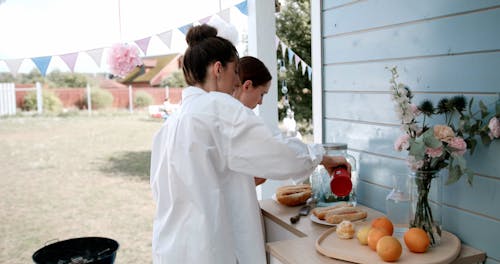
(57, 79)
(293, 27)
(6, 77)
(176, 79)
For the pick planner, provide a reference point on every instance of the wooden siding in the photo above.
(441, 48)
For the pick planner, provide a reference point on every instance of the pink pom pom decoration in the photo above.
(123, 58)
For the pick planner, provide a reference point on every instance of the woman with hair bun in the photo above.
(206, 210)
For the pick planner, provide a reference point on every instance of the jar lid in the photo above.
(335, 146)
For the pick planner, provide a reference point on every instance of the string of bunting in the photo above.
(293, 58)
(70, 59)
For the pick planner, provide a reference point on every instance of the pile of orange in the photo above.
(378, 236)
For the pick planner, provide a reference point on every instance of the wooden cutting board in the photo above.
(351, 250)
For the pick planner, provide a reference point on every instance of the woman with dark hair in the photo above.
(206, 211)
(255, 81)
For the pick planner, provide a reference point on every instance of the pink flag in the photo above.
(166, 37)
(14, 65)
(70, 59)
(143, 44)
(96, 55)
(205, 20)
(297, 60)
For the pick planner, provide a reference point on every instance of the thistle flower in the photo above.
(426, 107)
(443, 106)
(458, 102)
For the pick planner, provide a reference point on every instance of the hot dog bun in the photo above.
(292, 195)
(320, 212)
(338, 215)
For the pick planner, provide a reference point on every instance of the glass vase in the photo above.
(397, 203)
(426, 203)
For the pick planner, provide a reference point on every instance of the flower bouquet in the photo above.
(432, 148)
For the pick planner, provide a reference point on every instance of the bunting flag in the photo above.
(243, 7)
(297, 61)
(204, 20)
(96, 55)
(290, 55)
(309, 72)
(143, 44)
(184, 29)
(303, 65)
(70, 59)
(42, 63)
(276, 42)
(283, 50)
(166, 37)
(14, 65)
(225, 15)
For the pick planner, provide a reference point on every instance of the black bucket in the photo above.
(94, 250)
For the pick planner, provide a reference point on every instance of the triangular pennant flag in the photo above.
(184, 29)
(70, 59)
(309, 72)
(303, 65)
(290, 55)
(283, 49)
(276, 42)
(205, 20)
(42, 63)
(96, 55)
(143, 44)
(243, 7)
(14, 65)
(225, 15)
(297, 60)
(166, 37)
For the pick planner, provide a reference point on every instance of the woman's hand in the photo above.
(331, 162)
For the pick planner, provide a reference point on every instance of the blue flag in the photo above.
(243, 7)
(42, 63)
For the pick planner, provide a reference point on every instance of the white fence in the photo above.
(7, 99)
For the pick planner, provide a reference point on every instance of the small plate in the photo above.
(315, 219)
(323, 222)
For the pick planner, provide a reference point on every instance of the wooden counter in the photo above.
(295, 244)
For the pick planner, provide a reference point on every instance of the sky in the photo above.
(34, 28)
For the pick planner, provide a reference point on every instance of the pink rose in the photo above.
(443, 133)
(494, 127)
(402, 143)
(458, 144)
(434, 152)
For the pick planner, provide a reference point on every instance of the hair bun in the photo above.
(199, 33)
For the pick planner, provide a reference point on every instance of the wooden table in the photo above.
(295, 244)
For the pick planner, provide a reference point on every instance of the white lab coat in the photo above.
(201, 162)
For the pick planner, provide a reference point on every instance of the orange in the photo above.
(383, 223)
(389, 249)
(416, 240)
(374, 235)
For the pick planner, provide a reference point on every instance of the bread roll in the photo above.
(320, 212)
(293, 195)
(338, 215)
(345, 230)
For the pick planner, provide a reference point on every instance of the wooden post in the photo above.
(39, 98)
(130, 101)
(89, 100)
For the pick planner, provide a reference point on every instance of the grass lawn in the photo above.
(67, 177)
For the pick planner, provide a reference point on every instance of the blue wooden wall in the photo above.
(441, 48)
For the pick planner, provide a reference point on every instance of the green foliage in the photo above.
(31, 78)
(293, 27)
(51, 102)
(58, 79)
(100, 98)
(142, 99)
(6, 77)
(176, 80)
